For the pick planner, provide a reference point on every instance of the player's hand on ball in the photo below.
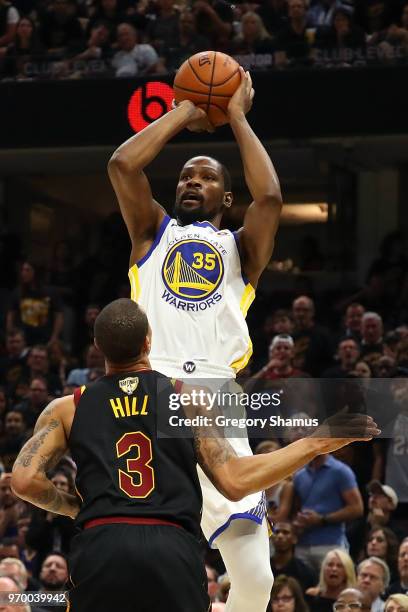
(199, 120)
(241, 101)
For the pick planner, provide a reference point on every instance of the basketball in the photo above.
(209, 79)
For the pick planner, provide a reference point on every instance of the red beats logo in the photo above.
(149, 102)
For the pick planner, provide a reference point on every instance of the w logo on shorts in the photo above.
(189, 367)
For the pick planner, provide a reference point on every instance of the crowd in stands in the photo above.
(43, 39)
(340, 535)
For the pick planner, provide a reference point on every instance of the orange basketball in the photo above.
(208, 79)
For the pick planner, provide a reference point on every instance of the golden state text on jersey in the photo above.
(194, 292)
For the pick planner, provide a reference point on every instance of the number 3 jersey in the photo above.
(124, 468)
(191, 285)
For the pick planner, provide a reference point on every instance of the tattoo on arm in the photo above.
(212, 452)
(32, 447)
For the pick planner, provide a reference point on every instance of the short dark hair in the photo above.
(227, 177)
(120, 330)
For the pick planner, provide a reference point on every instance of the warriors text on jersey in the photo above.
(123, 467)
(192, 288)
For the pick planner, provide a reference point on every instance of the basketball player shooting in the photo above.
(196, 284)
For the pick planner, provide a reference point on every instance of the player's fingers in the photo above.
(249, 80)
(252, 94)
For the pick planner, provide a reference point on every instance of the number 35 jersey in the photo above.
(191, 285)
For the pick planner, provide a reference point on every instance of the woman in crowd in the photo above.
(254, 37)
(287, 596)
(25, 50)
(336, 574)
(383, 543)
(397, 603)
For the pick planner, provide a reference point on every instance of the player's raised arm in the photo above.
(235, 477)
(40, 454)
(142, 214)
(261, 221)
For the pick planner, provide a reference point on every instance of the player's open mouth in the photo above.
(191, 196)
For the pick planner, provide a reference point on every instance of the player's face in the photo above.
(200, 191)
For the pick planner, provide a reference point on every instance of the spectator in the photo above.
(214, 21)
(212, 579)
(163, 31)
(25, 49)
(362, 370)
(342, 43)
(284, 561)
(54, 573)
(97, 47)
(14, 568)
(373, 577)
(8, 23)
(254, 37)
(352, 321)
(281, 354)
(390, 41)
(279, 497)
(13, 438)
(110, 13)
(12, 364)
(279, 322)
(93, 360)
(348, 352)
(351, 599)
(396, 603)
(323, 12)
(382, 501)
(273, 13)
(313, 351)
(401, 585)
(38, 366)
(11, 509)
(133, 58)
(336, 574)
(287, 596)
(396, 464)
(385, 367)
(37, 399)
(188, 43)
(61, 30)
(383, 543)
(327, 497)
(224, 588)
(371, 334)
(34, 308)
(48, 531)
(374, 15)
(85, 334)
(10, 585)
(293, 41)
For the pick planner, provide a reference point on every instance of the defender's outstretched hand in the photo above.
(199, 121)
(241, 101)
(344, 428)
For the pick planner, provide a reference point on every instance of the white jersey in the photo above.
(191, 285)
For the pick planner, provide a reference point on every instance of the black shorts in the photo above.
(137, 568)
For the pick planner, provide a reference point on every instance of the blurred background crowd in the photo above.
(48, 39)
(341, 522)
